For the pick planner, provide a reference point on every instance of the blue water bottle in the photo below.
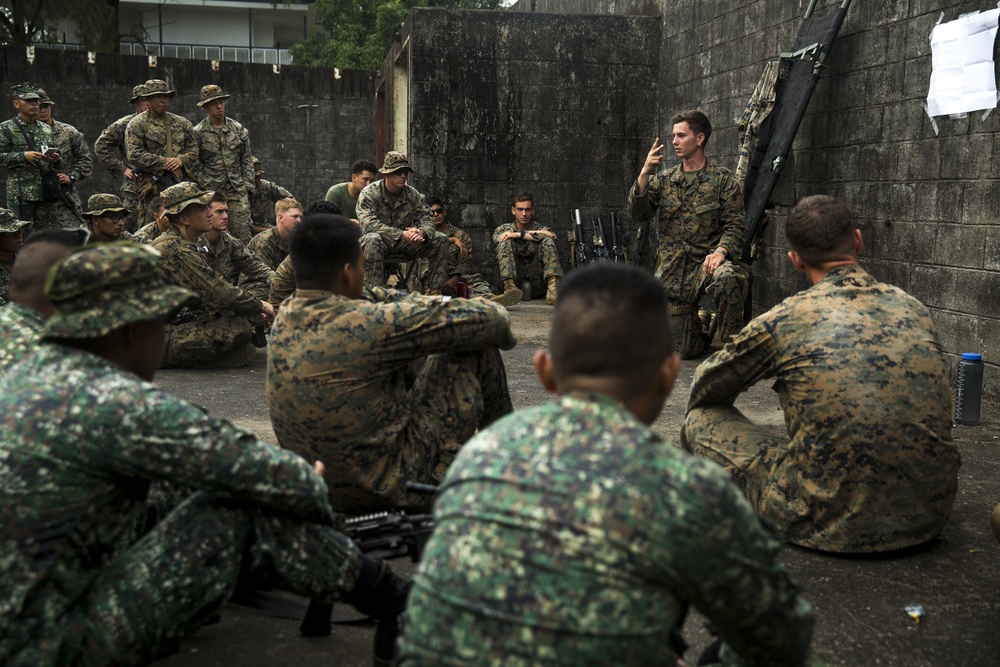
(969, 392)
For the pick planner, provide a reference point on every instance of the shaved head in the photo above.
(31, 268)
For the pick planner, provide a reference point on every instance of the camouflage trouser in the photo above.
(182, 572)
(478, 286)
(727, 287)
(131, 201)
(43, 215)
(435, 249)
(194, 342)
(510, 250)
(239, 216)
(67, 218)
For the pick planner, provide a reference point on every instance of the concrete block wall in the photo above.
(555, 105)
(925, 201)
(307, 125)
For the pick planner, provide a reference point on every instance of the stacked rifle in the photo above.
(606, 247)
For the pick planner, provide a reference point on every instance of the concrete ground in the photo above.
(859, 602)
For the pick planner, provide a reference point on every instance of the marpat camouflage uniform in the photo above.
(230, 259)
(694, 220)
(24, 180)
(269, 247)
(282, 284)
(226, 167)
(570, 534)
(110, 150)
(77, 163)
(147, 233)
(336, 389)
(80, 441)
(870, 464)
(146, 150)
(228, 307)
(262, 201)
(383, 218)
(20, 330)
(509, 251)
(458, 265)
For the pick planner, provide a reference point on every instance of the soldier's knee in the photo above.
(372, 243)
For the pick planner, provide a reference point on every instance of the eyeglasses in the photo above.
(437, 211)
(115, 217)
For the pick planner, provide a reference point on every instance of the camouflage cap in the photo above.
(101, 203)
(100, 287)
(178, 197)
(137, 92)
(25, 91)
(9, 222)
(43, 97)
(257, 169)
(156, 87)
(394, 161)
(211, 92)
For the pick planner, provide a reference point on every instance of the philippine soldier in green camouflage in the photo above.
(395, 221)
(219, 334)
(226, 159)
(336, 373)
(701, 231)
(263, 197)
(105, 216)
(571, 534)
(160, 146)
(271, 245)
(110, 151)
(229, 257)
(21, 141)
(11, 241)
(525, 239)
(84, 433)
(869, 464)
(75, 162)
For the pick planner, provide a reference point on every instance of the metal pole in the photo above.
(846, 4)
(811, 7)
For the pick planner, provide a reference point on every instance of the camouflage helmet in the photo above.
(157, 87)
(25, 91)
(43, 97)
(210, 93)
(101, 287)
(394, 161)
(101, 203)
(178, 197)
(9, 222)
(257, 169)
(137, 93)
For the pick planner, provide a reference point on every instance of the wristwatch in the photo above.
(522, 233)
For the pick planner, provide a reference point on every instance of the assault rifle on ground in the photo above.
(580, 245)
(617, 253)
(600, 248)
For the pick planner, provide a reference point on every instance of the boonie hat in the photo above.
(9, 222)
(211, 92)
(26, 91)
(99, 288)
(101, 203)
(137, 92)
(43, 97)
(394, 161)
(157, 87)
(178, 197)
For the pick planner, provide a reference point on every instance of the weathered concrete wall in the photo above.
(556, 105)
(307, 125)
(622, 7)
(925, 202)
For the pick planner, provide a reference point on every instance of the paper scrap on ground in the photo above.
(963, 76)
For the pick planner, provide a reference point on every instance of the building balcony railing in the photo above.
(236, 54)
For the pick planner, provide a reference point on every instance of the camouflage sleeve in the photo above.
(640, 208)
(747, 359)
(257, 275)
(499, 231)
(11, 153)
(733, 216)
(83, 162)
(422, 218)
(108, 146)
(730, 573)
(283, 283)
(367, 209)
(464, 264)
(187, 148)
(135, 147)
(191, 269)
(246, 162)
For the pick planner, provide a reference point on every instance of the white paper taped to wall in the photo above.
(963, 76)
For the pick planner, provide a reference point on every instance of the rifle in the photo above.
(617, 255)
(580, 245)
(640, 244)
(600, 248)
(383, 535)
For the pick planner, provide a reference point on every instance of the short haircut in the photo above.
(321, 244)
(430, 201)
(610, 322)
(322, 206)
(156, 202)
(360, 166)
(218, 197)
(696, 120)
(820, 228)
(286, 204)
(28, 272)
(524, 196)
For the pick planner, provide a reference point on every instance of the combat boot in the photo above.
(552, 288)
(511, 294)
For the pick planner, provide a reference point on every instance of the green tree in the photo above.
(360, 32)
(27, 22)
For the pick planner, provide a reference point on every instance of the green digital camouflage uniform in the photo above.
(110, 151)
(146, 150)
(694, 220)
(5, 269)
(227, 307)
(262, 201)
(20, 329)
(269, 247)
(24, 180)
(226, 167)
(509, 251)
(230, 259)
(9, 224)
(336, 387)
(570, 534)
(869, 464)
(341, 196)
(282, 283)
(77, 163)
(458, 265)
(383, 218)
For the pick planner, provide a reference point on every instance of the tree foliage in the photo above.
(27, 22)
(360, 32)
